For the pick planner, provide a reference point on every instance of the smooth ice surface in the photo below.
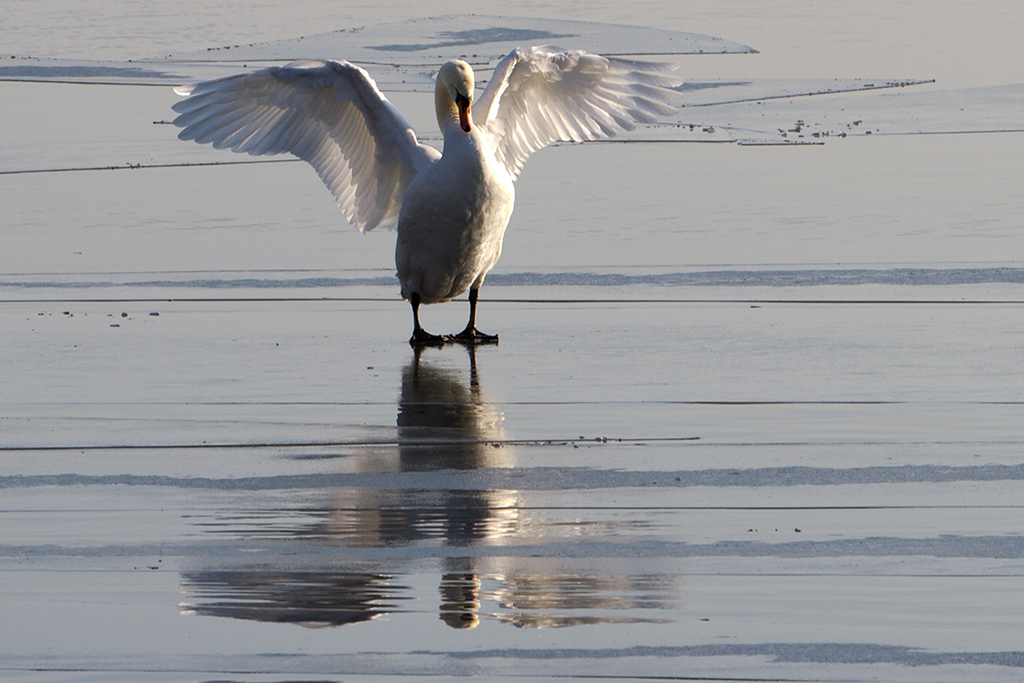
(757, 412)
(396, 49)
(474, 36)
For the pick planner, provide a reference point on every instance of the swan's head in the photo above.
(453, 94)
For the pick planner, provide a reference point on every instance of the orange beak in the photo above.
(463, 104)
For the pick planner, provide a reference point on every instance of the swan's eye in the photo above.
(461, 100)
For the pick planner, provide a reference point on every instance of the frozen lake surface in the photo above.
(757, 412)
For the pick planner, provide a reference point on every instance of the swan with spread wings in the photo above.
(450, 209)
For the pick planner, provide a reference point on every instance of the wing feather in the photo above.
(330, 114)
(540, 95)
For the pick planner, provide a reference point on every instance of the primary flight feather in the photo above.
(450, 209)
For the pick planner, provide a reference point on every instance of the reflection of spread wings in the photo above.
(306, 598)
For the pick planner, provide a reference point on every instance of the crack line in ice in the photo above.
(710, 278)
(550, 478)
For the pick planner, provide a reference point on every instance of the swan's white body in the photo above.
(450, 209)
(453, 221)
(454, 213)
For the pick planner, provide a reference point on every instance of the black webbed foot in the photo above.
(471, 335)
(421, 337)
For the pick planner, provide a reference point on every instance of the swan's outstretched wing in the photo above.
(330, 114)
(541, 95)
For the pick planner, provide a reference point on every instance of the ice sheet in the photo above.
(433, 40)
(756, 412)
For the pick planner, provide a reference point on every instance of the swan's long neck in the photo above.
(445, 106)
(453, 95)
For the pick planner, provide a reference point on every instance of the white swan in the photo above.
(450, 209)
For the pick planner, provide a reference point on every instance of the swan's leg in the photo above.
(471, 334)
(419, 335)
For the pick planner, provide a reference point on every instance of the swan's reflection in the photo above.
(447, 429)
(445, 424)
